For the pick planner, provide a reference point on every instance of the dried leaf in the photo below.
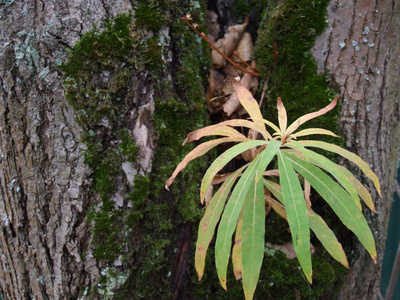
(250, 104)
(310, 116)
(233, 102)
(228, 43)
(244, 49)
(237, 249)
(282, 116)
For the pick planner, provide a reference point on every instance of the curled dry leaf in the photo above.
(233, 102)
(209, 194)
(244, 49)
(228, 43)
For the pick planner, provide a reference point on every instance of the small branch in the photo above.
(203, 36)
(244, 62)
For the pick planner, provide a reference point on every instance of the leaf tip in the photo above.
(168, 183)
(374, 258)
(309, 277)
(223, 284)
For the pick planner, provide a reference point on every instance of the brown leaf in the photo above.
(228, 43)
(244, 49)
(310, 116)
(233, 102)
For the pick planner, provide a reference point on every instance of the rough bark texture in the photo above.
(45, 249)
(360, 51)
(43, 178)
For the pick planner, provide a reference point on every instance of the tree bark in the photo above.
(45, 184)
(360, 51)
(44, 180)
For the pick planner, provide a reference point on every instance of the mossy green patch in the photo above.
(143, 232)
(292, 74)
(98, 69)
(149, 17)
(282, 278)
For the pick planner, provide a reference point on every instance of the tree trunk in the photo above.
(360, 50)
(44, 180)
(80, 215)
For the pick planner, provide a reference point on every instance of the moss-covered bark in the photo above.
(136, 239)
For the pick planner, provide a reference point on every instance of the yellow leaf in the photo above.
(311, 131)
(249, 104)
(310, 116)
(282, 117)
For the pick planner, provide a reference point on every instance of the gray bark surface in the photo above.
(44, 182)
(360, 50)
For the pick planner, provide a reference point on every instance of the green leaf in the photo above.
(360, 188)
(197, 152)
(210, 219)
(266, 157)
(275, 189)
(348, 155)
(222, 160)
(332, 168)
(338, 199)
(253, 237)
(327, 238)
(297, 213)
(317, 225)
(229, 219)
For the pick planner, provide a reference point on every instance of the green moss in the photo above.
(152, 56)
(281, 278)
(106, 231)
(97, 71)
(148, 17)
(252, 8)
(128, 146)
(95, 81)
(294, 26)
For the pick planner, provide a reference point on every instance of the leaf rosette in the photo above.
(239, 204)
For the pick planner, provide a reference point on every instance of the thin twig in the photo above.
(243, 61)
(203, 36)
